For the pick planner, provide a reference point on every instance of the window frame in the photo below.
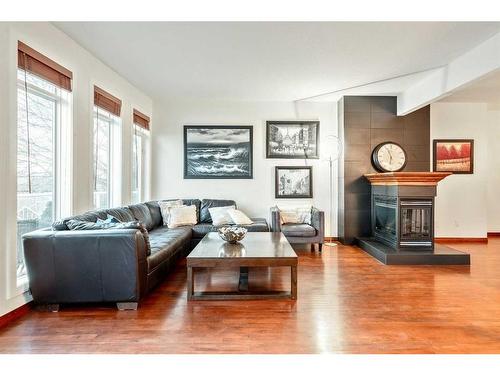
(114, 156)
(61, 166)
(143, 135)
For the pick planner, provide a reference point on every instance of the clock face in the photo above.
(389, 157)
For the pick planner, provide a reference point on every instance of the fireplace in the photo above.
(403, 209)
(402, 220)
(403, 223)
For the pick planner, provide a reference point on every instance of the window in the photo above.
(107, 159)
(107, 149)
(43, 147)
(139, 150)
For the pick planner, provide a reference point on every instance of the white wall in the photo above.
(254, 196)
(493, 187)
(467, 205)
(87, 71)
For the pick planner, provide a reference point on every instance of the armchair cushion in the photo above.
(298, 230)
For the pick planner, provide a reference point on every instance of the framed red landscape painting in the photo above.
(454, 155)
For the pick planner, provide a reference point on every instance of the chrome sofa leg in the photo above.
(126, 306)
(48, 307)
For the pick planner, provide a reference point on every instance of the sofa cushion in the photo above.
(298, 230)
(123, 214)
(154, 210)
(258, 225)
(142, 213)
(199, 230)
(165, 243)
(209, 203)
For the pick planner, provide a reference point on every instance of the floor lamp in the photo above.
(332, 149)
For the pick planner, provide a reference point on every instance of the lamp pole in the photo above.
(331, 156)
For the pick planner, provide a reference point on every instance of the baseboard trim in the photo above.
(15, 314)
(493, 234)
(461, 239)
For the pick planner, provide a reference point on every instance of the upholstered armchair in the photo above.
(313, 233)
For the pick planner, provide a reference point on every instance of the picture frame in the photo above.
(292, 139)
(453, 155)
(218, 151)
(293, 182)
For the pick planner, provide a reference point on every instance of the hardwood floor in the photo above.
(347, 303)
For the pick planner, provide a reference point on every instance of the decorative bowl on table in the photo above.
(232, 234)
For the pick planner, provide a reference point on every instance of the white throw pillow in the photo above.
(289, 217)
(295, 215)
(165, 207)
(304, 214)
(220, 215)
(238, 217)
(180, 216)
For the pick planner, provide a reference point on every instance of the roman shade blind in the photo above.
(140, 119)
(106, 101)
(34, 62)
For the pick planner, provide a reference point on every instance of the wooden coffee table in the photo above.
(269, 249)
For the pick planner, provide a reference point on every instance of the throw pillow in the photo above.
(180, 216)
(165, 207)
(220, 215)
(295, 214)
(304, 214)
(238, 217)
(289, 217)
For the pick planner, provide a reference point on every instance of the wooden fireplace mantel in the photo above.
(406, 178)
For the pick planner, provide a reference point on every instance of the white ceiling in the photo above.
(484, 90)
(270, 61)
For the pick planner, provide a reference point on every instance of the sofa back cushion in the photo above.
(209, 203)
(142, 213)
(154, 210)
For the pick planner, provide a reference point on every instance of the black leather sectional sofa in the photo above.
(112, 265)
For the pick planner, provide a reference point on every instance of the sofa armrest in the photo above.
(318, 222)
(86, 265)
(275, 219)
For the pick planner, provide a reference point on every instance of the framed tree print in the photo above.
(453, 155)
(212, 152)
(293, 182)
(292, 139)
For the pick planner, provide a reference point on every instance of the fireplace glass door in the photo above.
(416, 223)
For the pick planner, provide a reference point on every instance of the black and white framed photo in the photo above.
(292, 139)
(293, 182)
(223, 151)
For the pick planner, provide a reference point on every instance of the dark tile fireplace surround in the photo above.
(394, 224)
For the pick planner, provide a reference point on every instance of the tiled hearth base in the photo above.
(442, 255)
